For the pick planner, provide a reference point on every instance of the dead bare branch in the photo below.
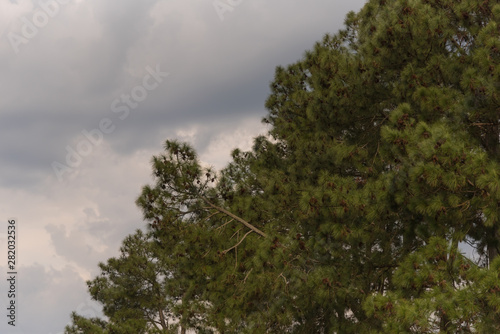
(241, 220)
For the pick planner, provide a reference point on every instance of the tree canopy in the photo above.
(383, 158)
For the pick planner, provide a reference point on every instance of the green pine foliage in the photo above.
(438, 290)
(382, 159)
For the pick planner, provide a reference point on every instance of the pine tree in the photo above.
(382, 159)
(133, 290)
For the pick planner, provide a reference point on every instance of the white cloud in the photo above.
(45, 299)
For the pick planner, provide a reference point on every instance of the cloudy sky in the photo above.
(90, 90)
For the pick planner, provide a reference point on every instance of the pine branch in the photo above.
(241, 220)
(244, 280)
(220, 227)
(162, 320)
(239, 242)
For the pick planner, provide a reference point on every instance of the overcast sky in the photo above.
(111, 81)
